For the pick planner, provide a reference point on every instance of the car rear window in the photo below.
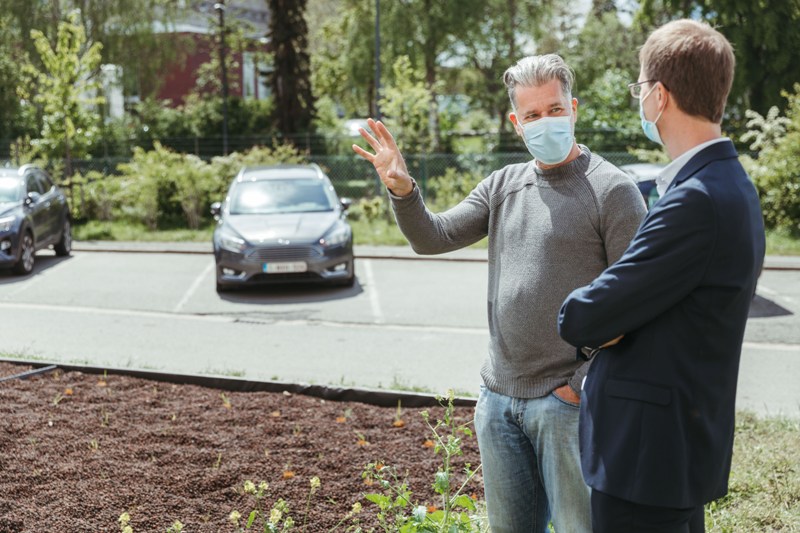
(281, 196)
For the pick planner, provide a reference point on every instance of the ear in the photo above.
(513, 118)
(574, 110)
(662, 96)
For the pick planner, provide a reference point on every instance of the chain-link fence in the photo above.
(355, 178)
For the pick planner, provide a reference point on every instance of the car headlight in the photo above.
(6, 223)
(228, 240)
(338, 234)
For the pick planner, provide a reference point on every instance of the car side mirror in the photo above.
(346, 203)
(32, 198)
(216, 210)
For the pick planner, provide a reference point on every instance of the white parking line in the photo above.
(35, 279)
(198, 280)
(115, 312)
(372, 290)
(772, 293)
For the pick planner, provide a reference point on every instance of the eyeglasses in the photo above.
(636, 88)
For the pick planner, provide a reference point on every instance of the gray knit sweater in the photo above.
(550, 231)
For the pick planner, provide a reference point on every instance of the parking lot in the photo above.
(404, 324)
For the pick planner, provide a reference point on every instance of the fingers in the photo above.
(385, 136)
(376, 145)
(363, 153)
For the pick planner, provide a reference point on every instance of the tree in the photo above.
(494, 42)
(438, 26)
(765, 36)
(406, 105)
(122, 26)
(10, 58)
(290, 79)
(343, 56)
(65, 88)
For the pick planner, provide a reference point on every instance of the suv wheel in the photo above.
(64, 245)
(27, 251)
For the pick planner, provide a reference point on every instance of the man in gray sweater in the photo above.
(553, 224)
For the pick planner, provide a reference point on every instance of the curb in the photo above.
(377, 397)
(470, 255)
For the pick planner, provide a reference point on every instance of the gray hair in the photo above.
(533, 71)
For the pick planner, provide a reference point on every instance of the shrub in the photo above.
(449, 189)
(776, 172)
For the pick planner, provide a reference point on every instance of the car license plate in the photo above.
(283, 268)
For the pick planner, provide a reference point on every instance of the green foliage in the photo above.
(160, 186)
(608, 114)
(618, 44)
(65, 90)
(765, 36)
(405, 105)
(765, 132)
(777, 168)
(451, 188)
(456, 511)
(10, 59)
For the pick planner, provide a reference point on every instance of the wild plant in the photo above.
(457, 512)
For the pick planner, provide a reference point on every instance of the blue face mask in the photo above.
(549, 139)
(650, 129)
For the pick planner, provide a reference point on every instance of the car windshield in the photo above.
(9, 189)
(280, 196)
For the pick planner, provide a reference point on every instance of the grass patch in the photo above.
(782, 242)
(378, 232)
(764, 487)
(126, 231)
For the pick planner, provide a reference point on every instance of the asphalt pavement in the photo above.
(153, 306)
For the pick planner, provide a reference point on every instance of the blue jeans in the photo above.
(531, 464)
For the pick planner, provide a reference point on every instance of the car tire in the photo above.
(27, 251)
(64, 245)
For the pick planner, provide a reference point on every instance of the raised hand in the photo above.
(387, 159)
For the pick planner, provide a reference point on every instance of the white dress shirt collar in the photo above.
(666, 177)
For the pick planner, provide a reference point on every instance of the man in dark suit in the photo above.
(657, 415)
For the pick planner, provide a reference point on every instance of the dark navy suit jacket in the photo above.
(657, 410)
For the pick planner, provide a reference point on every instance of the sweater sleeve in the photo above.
(621, 213)
(431, 233)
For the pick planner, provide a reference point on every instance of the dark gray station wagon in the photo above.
(282, 224)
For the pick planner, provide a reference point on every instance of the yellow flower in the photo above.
(249, 487)
(315, 483)
(356, 508)
(234, 517)
(275, 516)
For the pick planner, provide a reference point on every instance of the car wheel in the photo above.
(64, 245)
(27, 251)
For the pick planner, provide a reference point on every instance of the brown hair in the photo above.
(694, 62)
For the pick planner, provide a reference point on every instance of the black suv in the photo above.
(33, 215)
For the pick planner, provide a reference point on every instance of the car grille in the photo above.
(283, 253)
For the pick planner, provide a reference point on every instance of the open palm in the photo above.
(387, 159)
